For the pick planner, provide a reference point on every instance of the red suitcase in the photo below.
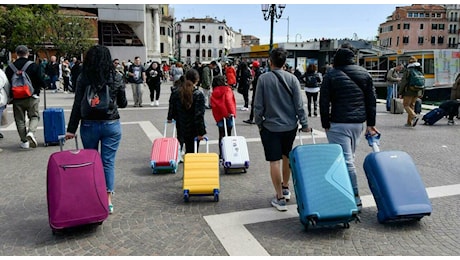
(76, 190)
(165, 153)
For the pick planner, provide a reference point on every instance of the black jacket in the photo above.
(33, 71)
(152, 79)
(189, 122)
(347, 93)
(117, 92)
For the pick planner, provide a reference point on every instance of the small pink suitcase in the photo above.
(76, 190)
(165, 153)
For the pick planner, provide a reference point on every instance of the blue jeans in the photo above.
(348, 136)
(108, 134)
(390, 95)
(53, 80)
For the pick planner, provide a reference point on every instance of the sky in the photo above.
(299, 22)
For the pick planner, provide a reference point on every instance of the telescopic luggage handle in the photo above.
(374, 141)
(234, 125)
(312, 136)
(61, 139)
(166, 126)
(195, 144)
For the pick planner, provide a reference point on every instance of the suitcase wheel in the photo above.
(216, 195)
(186, 196)
(346, 225)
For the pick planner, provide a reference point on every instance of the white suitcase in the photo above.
(235, 153)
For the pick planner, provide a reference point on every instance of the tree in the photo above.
(43, 27)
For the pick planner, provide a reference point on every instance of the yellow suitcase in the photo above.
(201, 174)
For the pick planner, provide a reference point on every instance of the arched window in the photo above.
(209, 39)
(189, 52)
(203, 39)
(220, 53)
(221, 39)
(204, 53)
(197, 53)
(197, 38)
(188, 38)
(209, 54)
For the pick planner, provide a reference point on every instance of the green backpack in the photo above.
(416, 79)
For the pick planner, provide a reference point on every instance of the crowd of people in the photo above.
(343, 95)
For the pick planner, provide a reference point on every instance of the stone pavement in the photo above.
(151, 217)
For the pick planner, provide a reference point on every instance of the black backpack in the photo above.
(96, 102)
(312, 81)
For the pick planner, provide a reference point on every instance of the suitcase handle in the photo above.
(174, 128)
(62, 141)
(374, 141)
(312, 136)
(195, 144)
(234, 125)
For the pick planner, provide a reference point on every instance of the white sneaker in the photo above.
(244, 109)
(152, 103)
(157, 103)
(25, 145)
(31, 139)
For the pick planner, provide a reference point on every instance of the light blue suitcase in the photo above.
(395, 182)
(322, 185)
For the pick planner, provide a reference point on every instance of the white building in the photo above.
(131, 30)
(204, 39)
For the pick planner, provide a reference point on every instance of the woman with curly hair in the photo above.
(99, 129)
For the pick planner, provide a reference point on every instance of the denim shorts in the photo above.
(277, 144)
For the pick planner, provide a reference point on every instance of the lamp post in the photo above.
(287, 34)
(179, 38)
(296, 37)
(271, 12)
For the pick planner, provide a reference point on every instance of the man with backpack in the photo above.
(412, 87)
(25, 100)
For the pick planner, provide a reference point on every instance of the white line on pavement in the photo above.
(238, 241)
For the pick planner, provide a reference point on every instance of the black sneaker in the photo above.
(249, 122)
(414, 121)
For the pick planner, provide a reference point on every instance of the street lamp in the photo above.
(287, 35)
(271, 12)
(296, 37)
(179, 38)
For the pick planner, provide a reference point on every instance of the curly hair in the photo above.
(98, 66)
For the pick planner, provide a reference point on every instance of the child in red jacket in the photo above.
(223, 105)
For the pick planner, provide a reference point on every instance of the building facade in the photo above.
(204, 39)
(131, 30)
(421, 26)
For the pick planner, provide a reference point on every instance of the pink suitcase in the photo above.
(165, 153)
(76, 190)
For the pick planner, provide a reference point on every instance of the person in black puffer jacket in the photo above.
(347, 100)
(187, 108)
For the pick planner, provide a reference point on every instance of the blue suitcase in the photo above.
(322, 185)
(433, 116)
(396, 185)
(53, 125)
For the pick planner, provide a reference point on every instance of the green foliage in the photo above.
(41, 26)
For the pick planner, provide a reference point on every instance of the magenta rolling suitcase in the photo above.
(165, 153)
(76, 190)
